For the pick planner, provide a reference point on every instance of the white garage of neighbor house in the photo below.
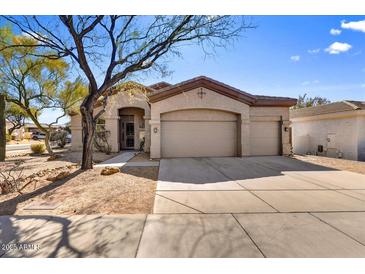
(200, 117)
(333, 130)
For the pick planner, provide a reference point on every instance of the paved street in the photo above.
(18, 147)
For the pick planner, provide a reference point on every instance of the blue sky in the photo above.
(286, 56)
(283, 56)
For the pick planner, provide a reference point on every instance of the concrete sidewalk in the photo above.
(259, 235)
(117, 161)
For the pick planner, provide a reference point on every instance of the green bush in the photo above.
(59, 136)
(8, 137)
(38, 148)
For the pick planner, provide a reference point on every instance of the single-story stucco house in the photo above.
(333, 130)
(200, 117)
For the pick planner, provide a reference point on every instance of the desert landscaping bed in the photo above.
(340, 164)
(142, 157)
(131, 190)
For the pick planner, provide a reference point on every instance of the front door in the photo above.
(127, 132)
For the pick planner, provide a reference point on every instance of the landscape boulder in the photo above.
(109, 170)
(59, 176)
(54, 157)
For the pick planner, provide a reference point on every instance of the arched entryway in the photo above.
(132, 129)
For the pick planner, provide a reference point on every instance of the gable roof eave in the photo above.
(331, 108)
(221, 88)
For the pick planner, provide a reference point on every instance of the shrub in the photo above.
(27, 135)
(101, 141)
(8, 137)
(38, 148)
(11, 178)
(59, 137)
(141, 144)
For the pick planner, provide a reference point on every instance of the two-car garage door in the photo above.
(213, 133)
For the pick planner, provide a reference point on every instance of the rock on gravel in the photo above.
(59, 176)
(109, 170)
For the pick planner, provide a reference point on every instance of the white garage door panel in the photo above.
(198, 138)
(264, 138)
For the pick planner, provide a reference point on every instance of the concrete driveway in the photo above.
(255, 185)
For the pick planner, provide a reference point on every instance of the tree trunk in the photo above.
(2, 128)
(41, 128)
(88, 131)
(47, 143)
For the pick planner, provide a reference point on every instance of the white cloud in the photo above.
(338, 47)
(314, 51)
(355, 25)
(295, 58)
(335, 31)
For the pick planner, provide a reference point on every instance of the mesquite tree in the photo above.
(35, 84)
(110, 49)
(15, 115)
(304, 101)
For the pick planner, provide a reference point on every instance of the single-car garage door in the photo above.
(264, 138)
(198, 133)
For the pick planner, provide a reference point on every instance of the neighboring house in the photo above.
(333, 130)
(20, 134)
(17, 134)
(32, 128)
(200, 117)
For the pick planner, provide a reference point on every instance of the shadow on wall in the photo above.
(218, 170)
(361, 151)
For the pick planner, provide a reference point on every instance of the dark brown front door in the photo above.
(126, 132)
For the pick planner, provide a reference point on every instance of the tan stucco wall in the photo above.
(215, 101)
(185, 101)
(76, 140)
(361, 138)
(191, 100)
(111, 117)
(310, 132)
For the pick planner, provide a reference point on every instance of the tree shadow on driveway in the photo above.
(74, 236)
(223, 169)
